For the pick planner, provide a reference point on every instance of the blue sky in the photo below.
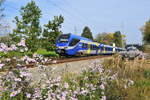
(128, 16)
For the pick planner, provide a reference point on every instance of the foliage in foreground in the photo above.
(91, 84)
(28, 27)
(51, 32)
(136, 70)
(146, 32)
(46, 53)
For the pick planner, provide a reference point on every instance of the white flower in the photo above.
(17, 79)
(54, 61)
(22, 43)
(66, 85)
(8, 59)
(28, 95)
(1, 65)
(14, 93)
(102, 86)
(103, 98)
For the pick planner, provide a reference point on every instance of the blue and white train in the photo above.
(70, 44)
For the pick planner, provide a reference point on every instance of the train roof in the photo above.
(108, 46)
(79, 37)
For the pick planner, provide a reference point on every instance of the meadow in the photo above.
(112, 79)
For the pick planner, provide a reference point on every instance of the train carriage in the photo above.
(69, 44)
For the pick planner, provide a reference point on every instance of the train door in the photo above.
(89, 50)
(93, 49)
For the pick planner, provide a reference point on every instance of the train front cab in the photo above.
(69, 44)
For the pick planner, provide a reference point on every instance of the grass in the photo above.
(42, 52)
(46, 53)
(136, 70)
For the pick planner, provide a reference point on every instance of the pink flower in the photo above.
(28, 95)
(102, 86)
(22, 74)
(14, 93)
(54, 62)
(1, 65)
(17, 79)
(103, 98)
(22, 43)
(66, 85)
(13, 47)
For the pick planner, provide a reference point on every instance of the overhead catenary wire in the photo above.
(69, 13)
(76, 12)
(12, 9)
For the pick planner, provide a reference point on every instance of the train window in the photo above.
(74, 42)
(111, 49)
(85, 45)
(64, 38)
(93, 47)
(102, 48)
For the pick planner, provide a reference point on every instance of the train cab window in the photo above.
(74, 42)
(84, 45)
(64, 38)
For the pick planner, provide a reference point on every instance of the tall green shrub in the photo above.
(28, 26)
(87, 33)
(51, 32)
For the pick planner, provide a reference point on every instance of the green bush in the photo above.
(14, 54)
(147, 74)
(46, 53)
(142, 83)
(2, 54)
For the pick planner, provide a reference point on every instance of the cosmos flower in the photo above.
(1, 66)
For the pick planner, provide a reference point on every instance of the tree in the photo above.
(110, 38)
(51, 32)
(87, 33)
(118, 39)
(28, 26)
(5, 39)
(146, 33)
(105, 38)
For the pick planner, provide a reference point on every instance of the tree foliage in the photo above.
(110, 38)
(87, 33)
(146, 33)
(118, 39)
(28, 26)
(105, 38)
(51, 32)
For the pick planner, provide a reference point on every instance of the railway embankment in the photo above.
(63, 68)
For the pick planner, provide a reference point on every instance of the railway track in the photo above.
(64, 60)
(71, 59)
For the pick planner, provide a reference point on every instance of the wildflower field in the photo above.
(111, 79)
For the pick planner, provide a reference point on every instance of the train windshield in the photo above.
(74, 42)
(64, 38)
